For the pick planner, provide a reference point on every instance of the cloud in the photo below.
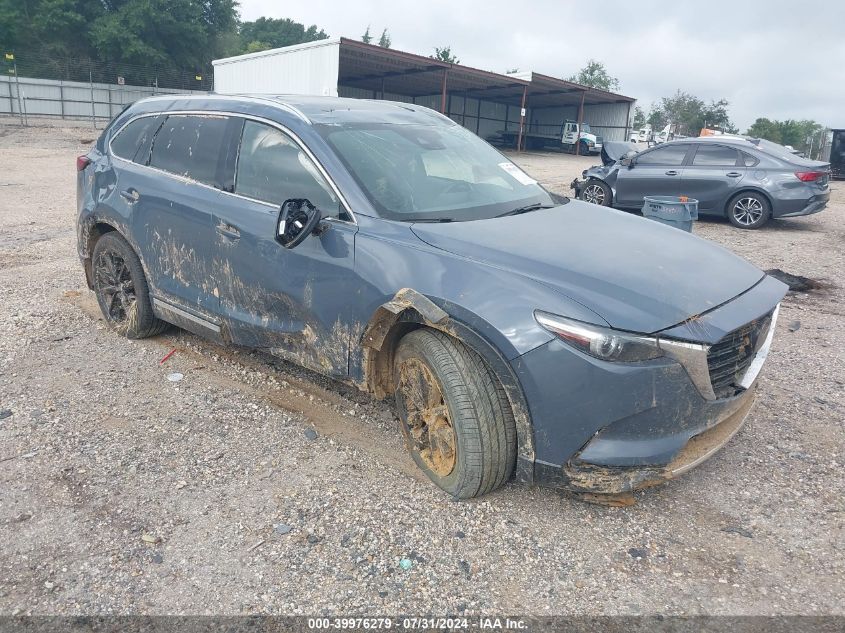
(775, 58)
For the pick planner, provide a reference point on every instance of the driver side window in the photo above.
(273, 168)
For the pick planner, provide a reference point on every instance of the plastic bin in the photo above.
(679, 212)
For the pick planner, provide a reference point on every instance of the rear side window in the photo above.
(273, 168)
(715, 156)
(191, 146)
(133, 141)
(748, 160)
(666, 155)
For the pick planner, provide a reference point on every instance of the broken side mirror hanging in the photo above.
(298, 218)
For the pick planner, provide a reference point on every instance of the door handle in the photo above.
(229, 230)
(130, 195)
(733, 174)
(671, 172)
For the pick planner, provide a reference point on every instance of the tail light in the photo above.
(810, 176)
(82, 162)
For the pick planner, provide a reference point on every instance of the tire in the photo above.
(584, 149)
(749, 210)
(122, 290)
(597, 192)
(455, 416)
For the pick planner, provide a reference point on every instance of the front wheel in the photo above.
(749, 210)
(597, 192)
(455, 416)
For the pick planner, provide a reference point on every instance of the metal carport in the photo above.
(485, 102)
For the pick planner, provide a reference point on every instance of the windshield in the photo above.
(586, 128)
(431, 173)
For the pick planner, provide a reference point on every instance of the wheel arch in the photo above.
(409, 310)
(747, 189)
(90, 234)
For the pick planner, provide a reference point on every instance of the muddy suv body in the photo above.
(382, 244)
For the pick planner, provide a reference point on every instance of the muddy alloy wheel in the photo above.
(454, 413)
(114, 287)
(427, 417)
(121, 288)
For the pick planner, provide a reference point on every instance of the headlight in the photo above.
(589, 142)
(599, 342)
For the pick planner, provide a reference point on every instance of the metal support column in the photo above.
(627, 123)
(522, 118)
(443, 91)
(580, 124)
(382, 88)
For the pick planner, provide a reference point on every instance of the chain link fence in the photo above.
(38, 85)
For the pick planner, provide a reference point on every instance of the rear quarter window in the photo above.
(134, 140)
(191, 146)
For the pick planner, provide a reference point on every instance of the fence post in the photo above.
(62, 96)
(93, 112)
(110, 109)
(18, 86)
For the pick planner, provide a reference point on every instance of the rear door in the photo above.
(655, 172)
(294, 302)
(173, 200)
(712, 176)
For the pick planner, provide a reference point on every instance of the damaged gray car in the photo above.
(386, 246)
(747, 180)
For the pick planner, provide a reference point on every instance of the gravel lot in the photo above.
(251, 486)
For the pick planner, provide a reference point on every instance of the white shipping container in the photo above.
(305, 69)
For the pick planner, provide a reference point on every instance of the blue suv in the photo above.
(384, 245)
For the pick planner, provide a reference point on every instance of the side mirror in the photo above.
(628, 161)
(298, 218)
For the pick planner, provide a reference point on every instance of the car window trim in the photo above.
(738, 161)
(284, 129)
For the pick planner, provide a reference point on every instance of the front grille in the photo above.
(728, 359)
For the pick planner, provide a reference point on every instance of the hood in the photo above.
(637, 274)
(612, 151)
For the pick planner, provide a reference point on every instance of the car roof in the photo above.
(741, 141)
(327, 110)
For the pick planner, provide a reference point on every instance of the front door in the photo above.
(712, 176)
(292, 302)
(656, 172)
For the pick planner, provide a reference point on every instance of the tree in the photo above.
(445, 55)
(798, 134)
(689, 114)
(511, 71)
(266, 33)
(639, 118)
(56, 27)
(384, 40)
(186, 33)
(595, 75)
(366, 37)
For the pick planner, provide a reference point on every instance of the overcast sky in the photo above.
(779, 59)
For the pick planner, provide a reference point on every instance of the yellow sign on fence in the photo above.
(10, 57)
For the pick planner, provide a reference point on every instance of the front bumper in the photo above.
(611, 428)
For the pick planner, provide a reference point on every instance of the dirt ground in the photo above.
(251, 486)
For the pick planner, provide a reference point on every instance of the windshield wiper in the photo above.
(526, 209)
(429, 220)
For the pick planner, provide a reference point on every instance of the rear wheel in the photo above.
(597, 192)
(748, 210)
(455, 416)
(121, 288)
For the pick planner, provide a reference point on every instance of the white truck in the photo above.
(566, 136)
